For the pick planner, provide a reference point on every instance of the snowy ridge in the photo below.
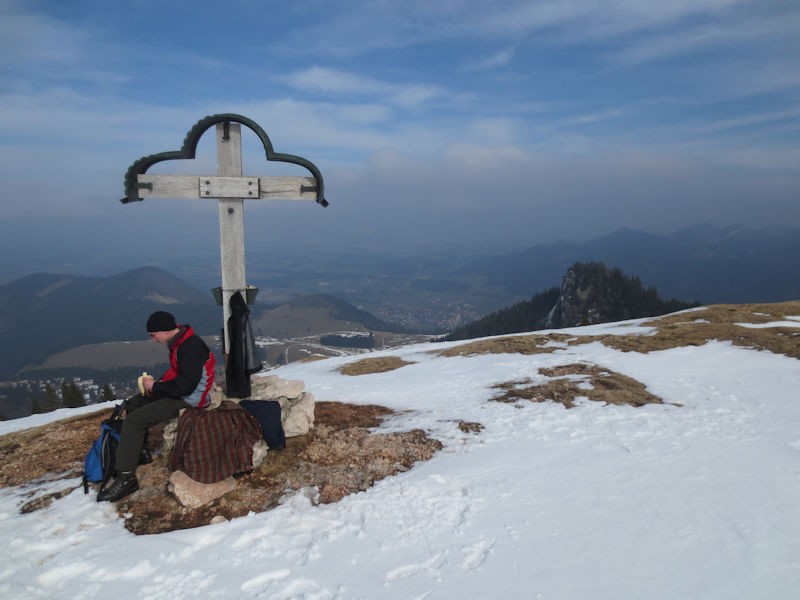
(700, 500)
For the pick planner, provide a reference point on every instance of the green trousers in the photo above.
(143, 413)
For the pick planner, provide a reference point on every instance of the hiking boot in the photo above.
(124, 484)
(145, 458)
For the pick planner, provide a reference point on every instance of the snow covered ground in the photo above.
(604, 502)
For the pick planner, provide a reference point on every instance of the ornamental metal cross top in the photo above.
(229, 187)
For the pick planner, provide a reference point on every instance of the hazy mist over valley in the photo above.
(393, 293)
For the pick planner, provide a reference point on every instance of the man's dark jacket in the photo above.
(243, 354)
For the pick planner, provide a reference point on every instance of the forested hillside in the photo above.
(590, 293)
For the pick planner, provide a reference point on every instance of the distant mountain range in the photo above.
(45, 313)
(436, 291)
(701, 263)
(316, 314)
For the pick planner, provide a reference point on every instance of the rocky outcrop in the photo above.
(592, 293)
(297, 405)
(580, 298)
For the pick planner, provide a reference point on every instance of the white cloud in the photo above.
(341, 83)
(734, 32)
(750, 119)
(33, 38)
(498, 59)
(335, 81)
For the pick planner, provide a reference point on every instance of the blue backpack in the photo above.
(98, 466)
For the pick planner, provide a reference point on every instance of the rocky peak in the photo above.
(573, 300)
(592, 293)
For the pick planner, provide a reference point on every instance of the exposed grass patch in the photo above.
(57, 447)
(470, 427)
(693, 328)
(367, 366)
(517, 344)
(578, 380)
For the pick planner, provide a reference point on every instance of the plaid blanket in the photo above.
(212, 445)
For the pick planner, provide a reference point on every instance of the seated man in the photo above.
(187, 383)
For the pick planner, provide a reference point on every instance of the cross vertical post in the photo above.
(231, 221)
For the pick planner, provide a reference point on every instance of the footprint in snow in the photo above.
(259, 584)
(476, 555)
(432, 565)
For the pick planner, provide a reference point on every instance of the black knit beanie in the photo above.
(161, 321)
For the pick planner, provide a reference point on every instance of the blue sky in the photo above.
(454, 122)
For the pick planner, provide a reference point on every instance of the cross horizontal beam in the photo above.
(189, 149)
(252, 188)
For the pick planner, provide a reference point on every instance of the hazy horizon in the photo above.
(84, 258)
(453, 123)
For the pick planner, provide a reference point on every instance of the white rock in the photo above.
(193, 494)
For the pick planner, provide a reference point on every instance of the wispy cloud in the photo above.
(33, 38)
(320, 79)
(492, 61)
(743, 121)
(341, 83)
(732, 32)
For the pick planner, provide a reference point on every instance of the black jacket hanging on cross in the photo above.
(243, 354)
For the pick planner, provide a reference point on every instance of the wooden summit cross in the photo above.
(229, 187)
